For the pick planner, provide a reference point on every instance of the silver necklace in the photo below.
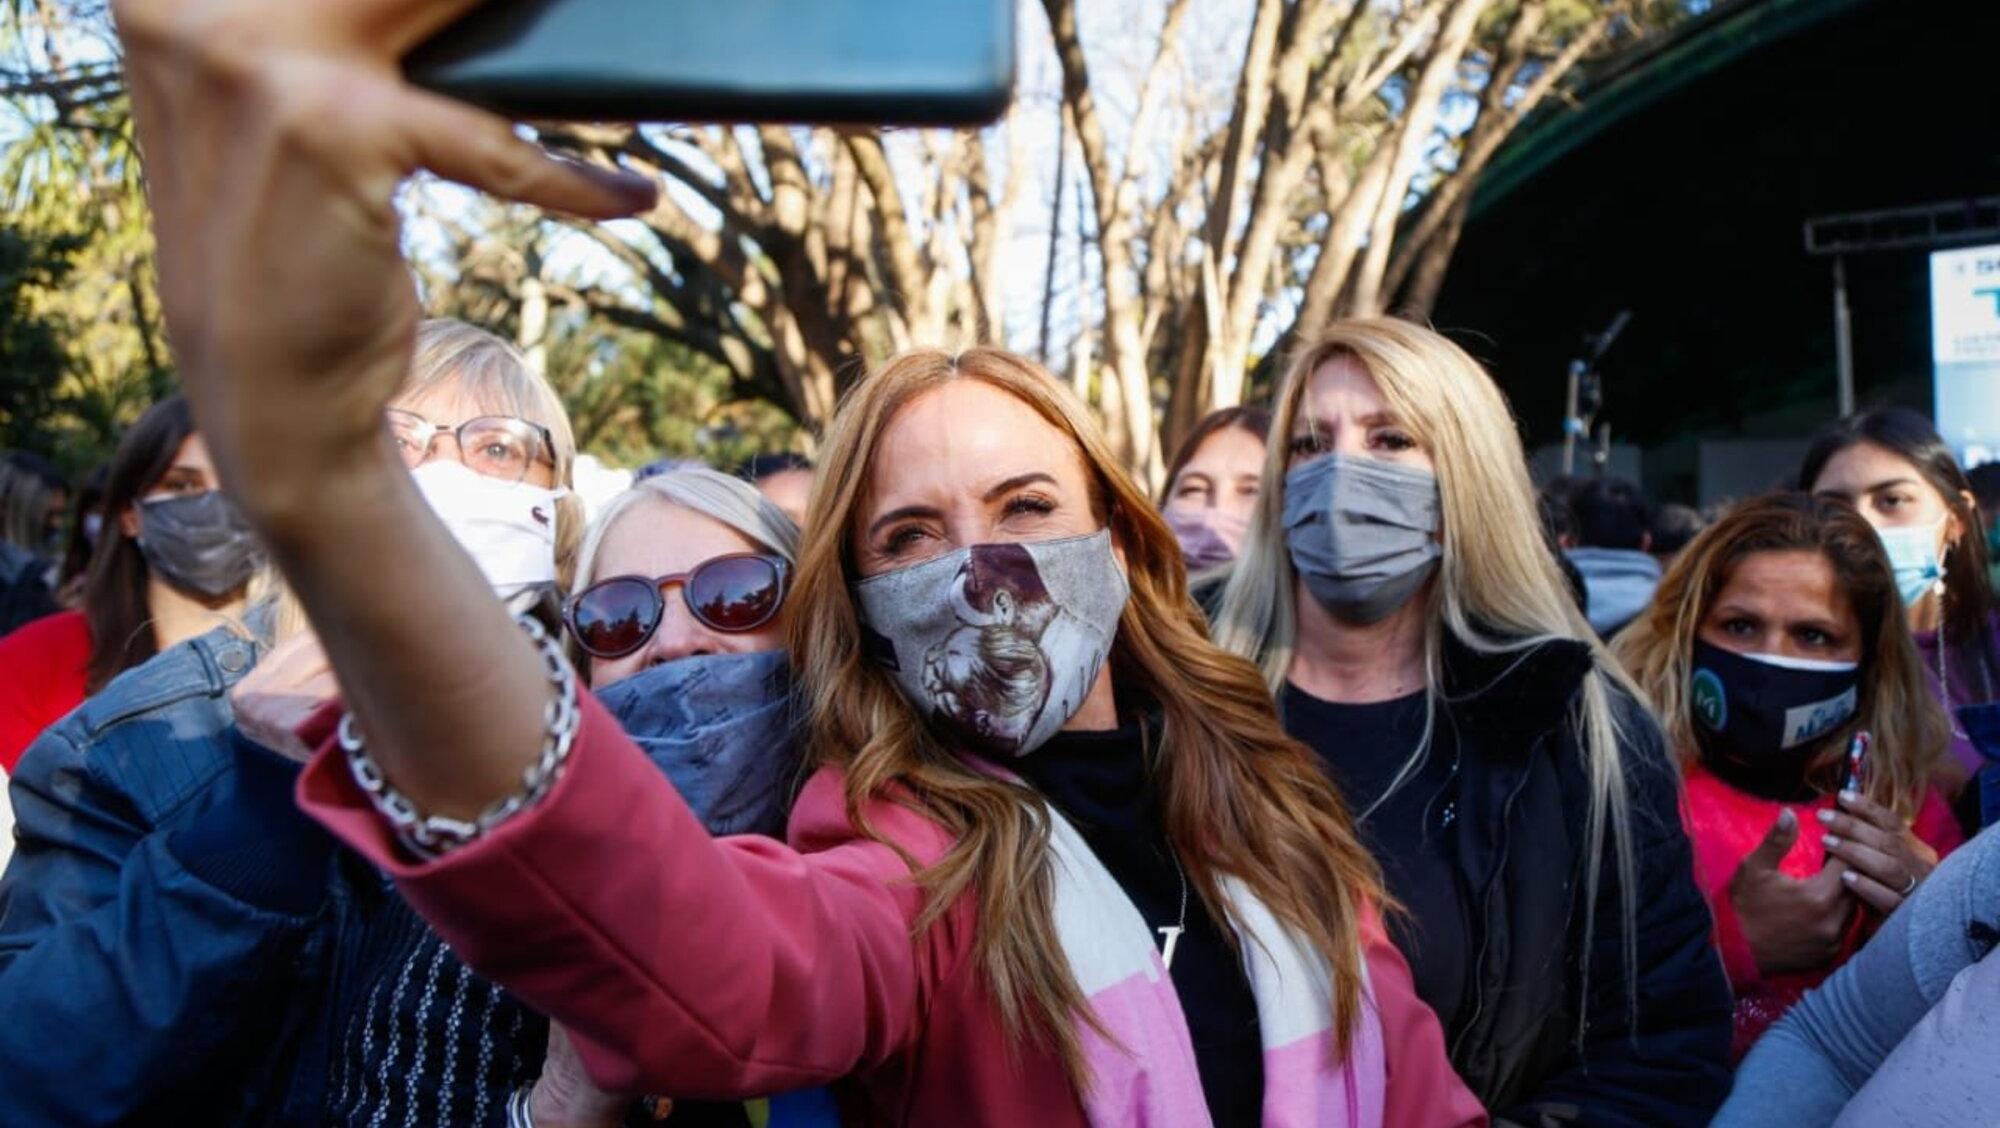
(1170, 934)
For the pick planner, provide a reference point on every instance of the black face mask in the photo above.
(199, 543)
(1761, 720)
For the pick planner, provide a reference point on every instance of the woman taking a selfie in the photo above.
(1009, 689)
(1891, 465)
(1396, 591)
(979, 578)
(1776, 638)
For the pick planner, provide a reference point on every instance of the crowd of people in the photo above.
(950, 776)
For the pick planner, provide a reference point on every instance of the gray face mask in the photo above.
(721, 727)
(1362, 533)
(199, 543)
(998, 644)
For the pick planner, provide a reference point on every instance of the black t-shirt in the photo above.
(1412, 833)
(1099, 781)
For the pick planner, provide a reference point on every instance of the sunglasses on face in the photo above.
(739, 592)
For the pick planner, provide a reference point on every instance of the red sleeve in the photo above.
(1423, 1089)
(42, 668)
(683, 965)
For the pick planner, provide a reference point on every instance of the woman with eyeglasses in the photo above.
(1397, 592)
(175, 561)
(167, 888)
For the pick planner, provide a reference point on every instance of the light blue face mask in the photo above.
(721, 727)
(1913, 556)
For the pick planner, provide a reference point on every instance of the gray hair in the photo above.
(499, 379)
(711, 493)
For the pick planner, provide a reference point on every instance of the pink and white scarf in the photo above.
(1145, 1076)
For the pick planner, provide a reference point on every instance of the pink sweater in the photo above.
(1725, 825)
(729, 968)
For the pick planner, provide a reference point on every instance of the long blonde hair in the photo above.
(1239, 798)
(1896, 706)
(1498, 587)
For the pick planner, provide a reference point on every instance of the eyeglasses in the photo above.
(738, 592)
(493, 446)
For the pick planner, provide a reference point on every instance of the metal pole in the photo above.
(1569, 427)
(1843, 339)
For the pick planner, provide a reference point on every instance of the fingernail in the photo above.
(1829, 841)
(1849, 796)
(1826, 817)
(637, 189)
(1786, 818)
(1848, 878)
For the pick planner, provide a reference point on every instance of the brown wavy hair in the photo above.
(1239, 798)
(1909, 728)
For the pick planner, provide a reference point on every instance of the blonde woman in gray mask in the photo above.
(1396, 592)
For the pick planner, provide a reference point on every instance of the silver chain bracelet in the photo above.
(432, 836)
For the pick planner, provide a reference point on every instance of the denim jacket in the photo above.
(156, 893)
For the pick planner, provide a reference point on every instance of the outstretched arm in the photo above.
(275, 136)
(681, 964)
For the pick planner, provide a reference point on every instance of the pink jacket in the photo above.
(729, 968)
(1725, 825)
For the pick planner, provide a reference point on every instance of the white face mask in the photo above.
(508, 528)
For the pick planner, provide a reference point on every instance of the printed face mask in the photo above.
(509, 528)
(997, 644)
(721, 727)
(199, 543)
(1761, 720)
(1362, 533)
(1208, 536)
(1913, 556)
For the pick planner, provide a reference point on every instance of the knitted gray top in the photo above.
(1907, 1032)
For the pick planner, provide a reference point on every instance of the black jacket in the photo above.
(1559, 1032)
(1552, 1036)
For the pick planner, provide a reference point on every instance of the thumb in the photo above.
(1776, 844)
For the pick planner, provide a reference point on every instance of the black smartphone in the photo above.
(872, 62)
